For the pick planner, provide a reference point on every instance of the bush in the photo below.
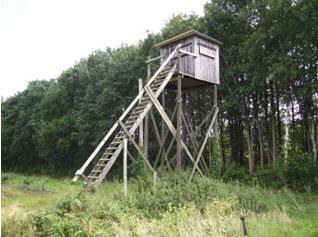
(137, 169)
(301, 173)
(233, 171)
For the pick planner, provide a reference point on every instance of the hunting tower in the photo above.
(187, 62)
(200, 64)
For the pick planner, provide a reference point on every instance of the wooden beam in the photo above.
(135, 144)
(165, 137)
(141, 127)
(125, 166)
(150, 60)
(130, 155)
(132, 104)
(109, 165)
(155, 128)
(193, 140)
(178, 132)
(162, 148)
(204, 143)
(169, 123)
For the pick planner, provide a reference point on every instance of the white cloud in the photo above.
(40, 39)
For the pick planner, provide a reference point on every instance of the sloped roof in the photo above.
(187, 34)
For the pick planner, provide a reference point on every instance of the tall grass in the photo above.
(205, 207)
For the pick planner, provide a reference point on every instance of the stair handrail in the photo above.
(80, 172)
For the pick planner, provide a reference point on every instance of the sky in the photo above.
(41, 38)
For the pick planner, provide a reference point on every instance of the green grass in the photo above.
(204, 208)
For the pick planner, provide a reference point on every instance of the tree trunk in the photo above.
(286, 140)
(250, 149)
(274, 148)
(313, 140)
(261, 148)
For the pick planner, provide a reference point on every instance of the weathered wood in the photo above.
(135, 144)
(204, 143)
(154, 180)
(193, 140)
(162, 148)
(167, 154)
(154, 124)
(178, 133)
(199, 56)
(157, 135)
(115, 126)
(130, 155)
(109, 165)
(168, 122)
(125, 166)
(151, 60)
(141, 127)
(146, 139)
(165, 138)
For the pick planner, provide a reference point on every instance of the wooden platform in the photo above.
(188, 82)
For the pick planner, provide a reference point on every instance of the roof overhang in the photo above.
(185, 35)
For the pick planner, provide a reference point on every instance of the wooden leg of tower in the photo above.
(168, 122)
(141, 127)
(178, 135)
(146, 141)
(216, 124)
(163, 154)
(125, 167)
(146, 128)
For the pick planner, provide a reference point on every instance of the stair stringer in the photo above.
(133, 128)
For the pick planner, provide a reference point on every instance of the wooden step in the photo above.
(134, 117)
(104, 159)
(98, 165)
(97, 171)
(92, 177)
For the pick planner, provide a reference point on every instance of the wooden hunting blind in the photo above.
(186, 62)
(200, 69)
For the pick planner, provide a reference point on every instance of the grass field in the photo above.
(43, 206)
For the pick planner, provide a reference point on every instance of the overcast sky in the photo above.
(41, 38)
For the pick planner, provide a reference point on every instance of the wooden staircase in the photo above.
(131, 124)
(128, 122)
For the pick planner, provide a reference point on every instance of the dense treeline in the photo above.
(268, 95)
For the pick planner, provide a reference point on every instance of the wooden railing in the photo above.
(80, 172)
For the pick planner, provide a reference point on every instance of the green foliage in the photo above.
(299, 174)
(233, 171)
(137, 169)
(216, 158)
(206, 206)
(267, 60)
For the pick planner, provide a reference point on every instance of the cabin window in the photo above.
(207, 51)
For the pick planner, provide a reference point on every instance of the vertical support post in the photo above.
(154, 180)
(178, 135)
(184, 130)
(215, 96)
(163, 103)
(125, 167)
(146, 128)
(216, 148)
(141, 126)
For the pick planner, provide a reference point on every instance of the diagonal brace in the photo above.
(204, 142)
(169, 124)
(135, 144)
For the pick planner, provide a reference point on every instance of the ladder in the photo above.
(128, 123)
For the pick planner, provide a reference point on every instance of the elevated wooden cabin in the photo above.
(200, 70)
